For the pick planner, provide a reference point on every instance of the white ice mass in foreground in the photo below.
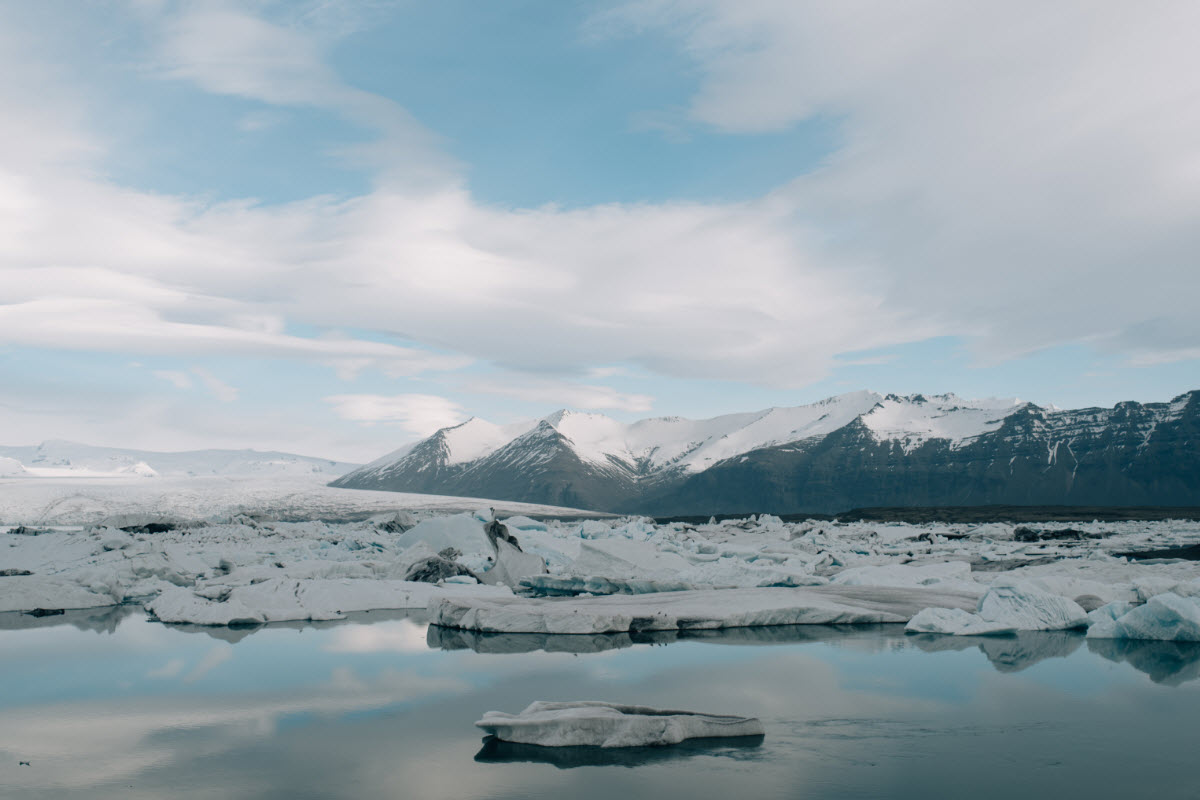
(221, 551)
(596, 724)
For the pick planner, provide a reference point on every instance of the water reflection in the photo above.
(1169, 663)
(379, 709)
(440, 638)
(236, 633)
(1006, 653)
(97, 620)
(741, 748)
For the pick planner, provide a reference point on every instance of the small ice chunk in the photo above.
(511, 566)
(596, 724)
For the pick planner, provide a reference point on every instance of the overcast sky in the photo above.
(333, 227)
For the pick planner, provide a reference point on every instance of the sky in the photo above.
(332, 228)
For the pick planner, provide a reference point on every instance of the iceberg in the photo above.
(1009, 606)
(32, 592)
(596, 724)
(689, 610)
(286, 599)
(1165, 617)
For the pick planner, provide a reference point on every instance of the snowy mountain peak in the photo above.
(675, 444)
(841, 452)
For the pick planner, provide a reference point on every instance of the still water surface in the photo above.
(114, 706)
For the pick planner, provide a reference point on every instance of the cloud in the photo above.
(557, 393)
(171, 669)
(217, 387)
(1024, 174)
(226, 50)
(421, 414)
(215, 657)
(177, 378)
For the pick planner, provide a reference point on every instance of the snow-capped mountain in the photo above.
(855, 449)
(71, 459)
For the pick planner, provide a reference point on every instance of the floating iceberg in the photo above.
(691, 610)
(284, 599)
(596, 724)
(1006, 608)
(1165, 617)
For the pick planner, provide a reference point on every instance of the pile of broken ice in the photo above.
(617, 575)
(596, 724)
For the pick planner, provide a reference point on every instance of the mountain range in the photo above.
(57, 458)
(854, 450)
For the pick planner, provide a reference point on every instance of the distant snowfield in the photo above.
(78, 497)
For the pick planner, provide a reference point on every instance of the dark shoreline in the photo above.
(978, 514)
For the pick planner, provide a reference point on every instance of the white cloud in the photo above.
(421, 414)
(226, 50)
(216, 387)
(1025, 173)
(216, 656)
(177, 378)
(550, 392)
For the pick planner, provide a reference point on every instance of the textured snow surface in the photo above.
(912, 421)
(597, 724)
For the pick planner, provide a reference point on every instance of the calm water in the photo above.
(381, 707)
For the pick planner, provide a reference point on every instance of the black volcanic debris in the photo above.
(1134, 454)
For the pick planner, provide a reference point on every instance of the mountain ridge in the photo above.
(852, 450)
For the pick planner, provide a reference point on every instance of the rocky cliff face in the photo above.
(912, 451)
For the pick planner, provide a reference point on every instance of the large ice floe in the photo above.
(596, 724)
(1007, 607)
(201, 562)
(689, 610)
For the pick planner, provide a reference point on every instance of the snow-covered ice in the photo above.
(690, 610)
(221, 550)
(597, 724)
(1007, 607)
(1165, 617)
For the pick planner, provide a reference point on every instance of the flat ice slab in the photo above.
(596, 724)
(700, 609)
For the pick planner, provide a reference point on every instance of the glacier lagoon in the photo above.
(106, 704)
